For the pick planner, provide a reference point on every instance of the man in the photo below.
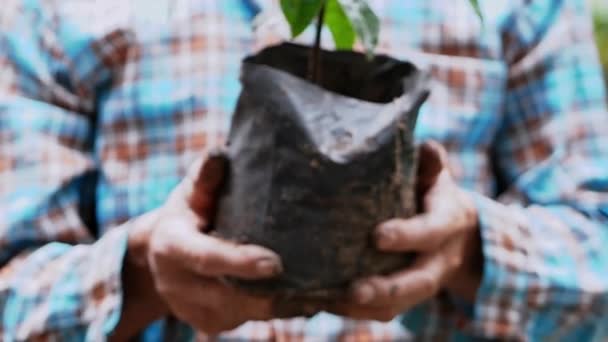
(105, 105)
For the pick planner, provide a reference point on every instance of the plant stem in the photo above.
(314, 61)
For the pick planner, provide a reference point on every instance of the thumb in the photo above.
(207, 184)
(432, 158)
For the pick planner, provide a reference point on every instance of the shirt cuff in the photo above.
(501, 298)
(104, 298)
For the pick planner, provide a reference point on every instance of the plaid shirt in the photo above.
(104, 104)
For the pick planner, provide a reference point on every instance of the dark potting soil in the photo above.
(315, 168)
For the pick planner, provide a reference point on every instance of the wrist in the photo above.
(137, 269)
(467, 279)
(142, 304)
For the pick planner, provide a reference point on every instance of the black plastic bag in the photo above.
(315, 169)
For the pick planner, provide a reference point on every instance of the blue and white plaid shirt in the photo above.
(104, 104)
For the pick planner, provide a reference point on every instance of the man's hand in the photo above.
(446, 237)
(174, 267)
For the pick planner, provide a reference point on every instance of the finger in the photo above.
(199, 189)
(234, 302)
(424, 232)
(403, 289)
(237, 306)
(214, 257)
(209, 256)
(208, 184)
(432, 161)
(213, 307)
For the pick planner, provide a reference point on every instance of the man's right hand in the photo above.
(173, 266)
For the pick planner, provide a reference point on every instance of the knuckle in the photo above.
(401, 239)
(163, 288)
(434, 239)
(468, 211)
(429, 283)
(159, 246)
(470, 215)
(427, 220)
(394, 290)
(443, 221)
(379, 287)
(454, 262)
(204, 262)
(399, 226)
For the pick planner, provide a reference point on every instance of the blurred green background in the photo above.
(600, 16)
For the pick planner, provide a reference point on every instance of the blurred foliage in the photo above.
(600, 18)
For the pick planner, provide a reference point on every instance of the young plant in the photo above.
(347, 20)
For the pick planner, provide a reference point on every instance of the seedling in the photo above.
(347, 20)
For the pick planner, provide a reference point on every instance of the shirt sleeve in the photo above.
(55, 282)
(545, 238)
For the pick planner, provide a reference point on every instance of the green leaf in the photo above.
(475, 4)
(364, 21)
(300, 13)
(338, 23)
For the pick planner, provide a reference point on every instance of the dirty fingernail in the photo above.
(364, 293)
(268, 266)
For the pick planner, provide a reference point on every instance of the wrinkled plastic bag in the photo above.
(314, 169)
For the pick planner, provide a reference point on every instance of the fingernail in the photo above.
(258, 253)
(268, 266)
(385, 236)
(364, 293)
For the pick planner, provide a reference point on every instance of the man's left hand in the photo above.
(445, 236)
